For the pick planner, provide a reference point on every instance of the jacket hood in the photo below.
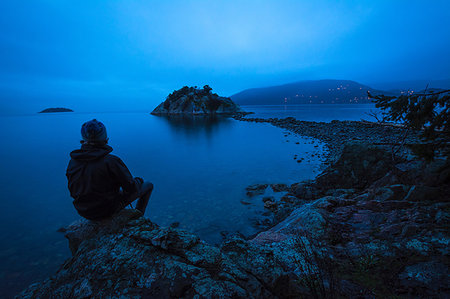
(90, 152)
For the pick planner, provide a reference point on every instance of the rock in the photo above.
(304, 190)
(289, 199)
(389, 179)
(84, 229)
(409, 230)
(344, 193)
(175, 224)
(256, 189)
(190, 100)
(399, 191)
(268, 198)
(305, 219)
(245, 202)
(427, 275)
(359, 165)
(442, 218)
(270, 203)
(423, 193)
(279, 187)
(126, 256)
(383, 194)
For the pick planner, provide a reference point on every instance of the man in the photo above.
(99, 182)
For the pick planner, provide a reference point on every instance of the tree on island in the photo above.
(207, 88)
(427, 112)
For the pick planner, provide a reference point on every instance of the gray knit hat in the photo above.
(94, 131)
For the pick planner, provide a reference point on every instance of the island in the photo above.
(59, 109)
(195, 101)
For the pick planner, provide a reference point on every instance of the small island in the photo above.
(51, 110)
(195, 101)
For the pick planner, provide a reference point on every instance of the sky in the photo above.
(96, 55)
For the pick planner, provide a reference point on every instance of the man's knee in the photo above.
(147, 187)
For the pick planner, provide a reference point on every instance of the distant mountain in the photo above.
(307, 92)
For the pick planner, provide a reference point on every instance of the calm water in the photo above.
(199, 167)
(315, 112)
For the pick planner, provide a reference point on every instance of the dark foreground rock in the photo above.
(131, 257)
(385, 223)
(191, 100)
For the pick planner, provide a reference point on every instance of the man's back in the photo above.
(95, 178)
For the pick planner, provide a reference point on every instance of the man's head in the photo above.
(94, 132)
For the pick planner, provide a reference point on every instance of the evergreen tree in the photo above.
(428, 113)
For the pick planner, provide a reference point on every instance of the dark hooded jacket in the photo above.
(95, 178)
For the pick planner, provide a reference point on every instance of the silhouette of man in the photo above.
(100, 183)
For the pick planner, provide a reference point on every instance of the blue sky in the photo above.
(129, 55)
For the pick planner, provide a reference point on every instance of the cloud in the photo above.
(99, 48)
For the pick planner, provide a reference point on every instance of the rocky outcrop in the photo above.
(191, 100)
(51, 110)
(130, 256)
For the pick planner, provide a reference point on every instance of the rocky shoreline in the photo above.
(336, 133)
(374, 224)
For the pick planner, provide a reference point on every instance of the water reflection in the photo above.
(197, 126)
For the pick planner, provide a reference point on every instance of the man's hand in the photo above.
(140, 180)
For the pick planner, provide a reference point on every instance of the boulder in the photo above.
(256, 189)
(307, 219)
(127, 256)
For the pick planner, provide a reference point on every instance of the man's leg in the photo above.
(144, 196)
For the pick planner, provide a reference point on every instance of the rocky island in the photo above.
(195, 101)
(51, 110)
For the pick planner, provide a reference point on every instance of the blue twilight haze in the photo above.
(128, 55)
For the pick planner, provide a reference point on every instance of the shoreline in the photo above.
(336, 133)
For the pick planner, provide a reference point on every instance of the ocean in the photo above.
(199, 166)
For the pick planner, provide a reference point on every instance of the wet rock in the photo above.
(287, 198)
(268, 198)
(256, 189)
(245, 202)
(304, 190)
(279, 187)
(270, 205)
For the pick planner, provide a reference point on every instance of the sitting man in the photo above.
(99, 182)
